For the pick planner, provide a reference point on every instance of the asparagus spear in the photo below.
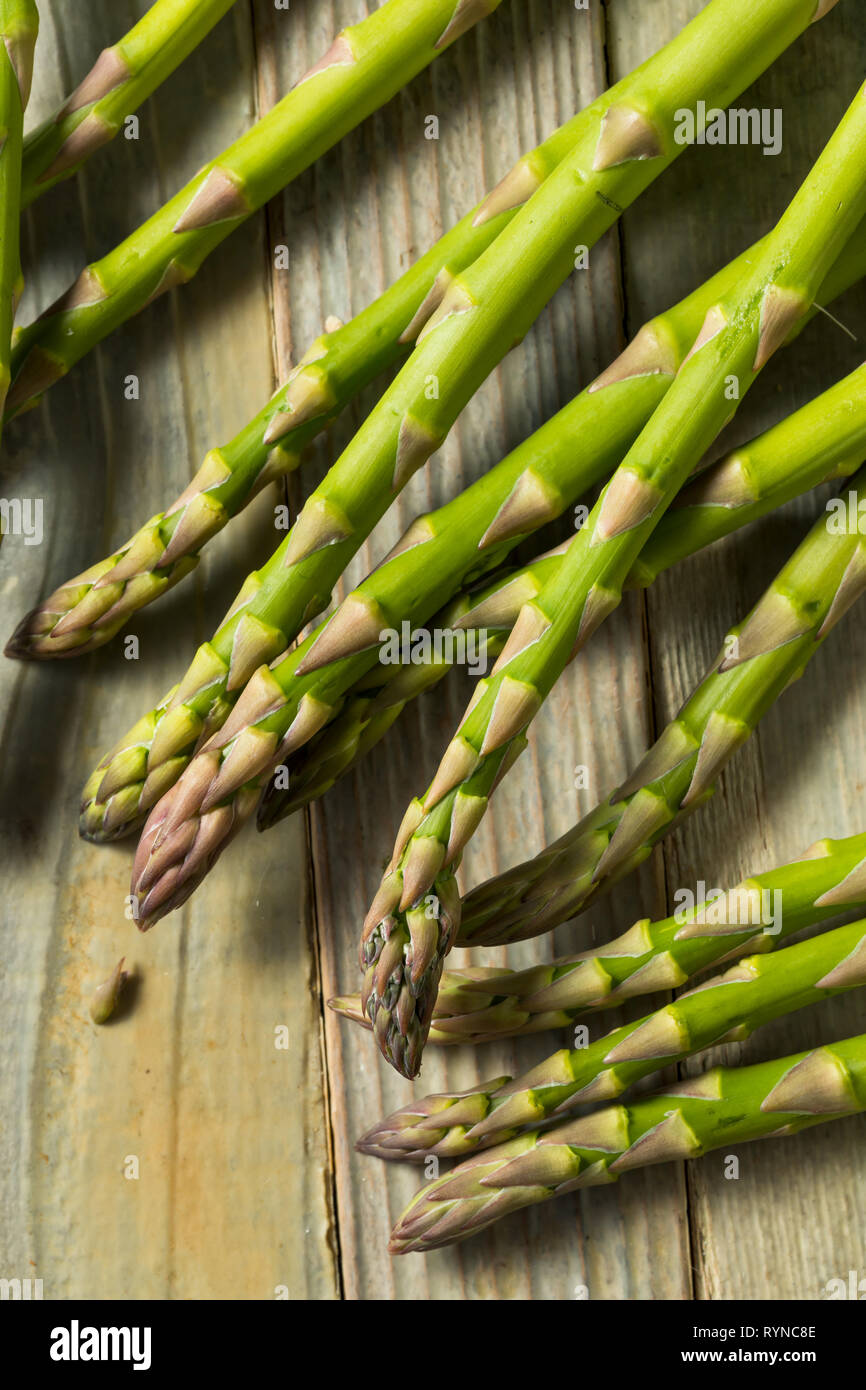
(759, 659)
(506, 285)
(19, 23)
(727, 1008)
(365, 66)
(825, 439)
(90, 608)
(122, 77)
(414, 917)
(478, 1004)
(721, 1108)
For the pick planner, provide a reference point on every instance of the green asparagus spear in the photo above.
(825, 439)
(19, 23)
(721, 1108)
(89, 609)
(414, 917)
(478, 1004)
(122, 77)
(365, 66)
(727, 1008)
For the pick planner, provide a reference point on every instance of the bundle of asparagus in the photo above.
(758, 661)
(724, 1107)
(89, 609)
(825, 439)
(482, 313)
(577, 448)
(726, 1008)
(414, 917)
(478, 1003)
(253, 707)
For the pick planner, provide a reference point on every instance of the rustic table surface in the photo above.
(247, 1182)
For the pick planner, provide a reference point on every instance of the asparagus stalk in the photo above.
(89, 609)
(759, 659)
(478, 1004)
(721, 1108)
(365, 66)
(506, 285)
(727, 1008)
(122, 77)
(414, 918)
(825, 439)
(19, 23)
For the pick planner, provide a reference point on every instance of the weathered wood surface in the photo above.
(248, 1181)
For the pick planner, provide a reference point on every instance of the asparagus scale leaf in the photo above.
(723, 1107)
(414, 918)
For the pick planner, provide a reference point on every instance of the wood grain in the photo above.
(248, 1179)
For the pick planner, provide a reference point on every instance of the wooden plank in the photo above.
(230, 1133)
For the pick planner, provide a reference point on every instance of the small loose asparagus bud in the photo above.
(106, 995)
